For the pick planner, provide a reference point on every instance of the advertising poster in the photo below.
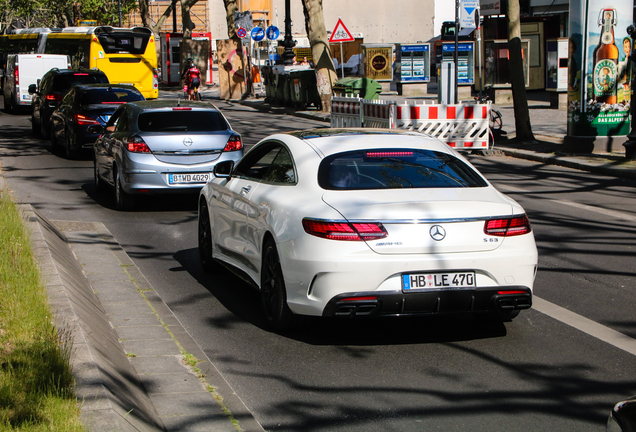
(599, 74)
(378, 62)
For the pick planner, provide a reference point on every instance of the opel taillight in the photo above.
(136, 144)
(508, 227)
(234, 143)
(342, 230)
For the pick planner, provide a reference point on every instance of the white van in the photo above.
(25, 69)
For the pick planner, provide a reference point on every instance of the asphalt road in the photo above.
(540, 372)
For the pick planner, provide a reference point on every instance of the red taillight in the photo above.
(136, 144)
(50, 97)
(359, 298)
(181, 109)
(81, 119)
(389, 154)
(17, 74)
(155, 73)
(344, 230)
(234, 143)
(80, 74)
(508, 227)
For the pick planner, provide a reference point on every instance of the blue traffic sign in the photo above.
(272, 32)
(258, 34)
(241, 32)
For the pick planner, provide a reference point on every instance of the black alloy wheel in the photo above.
(206, 258)
(273, 293)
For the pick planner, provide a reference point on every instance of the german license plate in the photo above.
(188, 178)
(437, 281)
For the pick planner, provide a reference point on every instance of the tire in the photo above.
(495, 117)
(35, 129)
(206, 258)
(123, 200)
(69, 144)
(54, 144)
(273, 293)
(100, 186)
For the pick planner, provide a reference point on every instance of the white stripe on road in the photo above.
(606, 334)
(606, 212)
(612, 213)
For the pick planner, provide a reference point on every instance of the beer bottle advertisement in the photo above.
(599, 73)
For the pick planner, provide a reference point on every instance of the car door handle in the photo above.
(245, 190)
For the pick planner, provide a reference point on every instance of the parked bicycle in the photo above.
(495, 122)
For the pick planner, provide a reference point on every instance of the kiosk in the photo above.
(412, 69)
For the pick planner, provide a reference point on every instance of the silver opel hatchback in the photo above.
(162, 147)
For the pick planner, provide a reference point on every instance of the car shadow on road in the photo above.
(243, 302)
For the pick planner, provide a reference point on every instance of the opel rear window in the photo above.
(396, 169)
(182, 121)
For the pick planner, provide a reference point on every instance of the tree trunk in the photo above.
(522, 115)
(323, 62)
(144, 12)
(188, 25)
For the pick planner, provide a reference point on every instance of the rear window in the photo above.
(396, 169)
(109, 95)
(66, 81)
(182, 121)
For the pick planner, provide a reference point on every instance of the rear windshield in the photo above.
(64, 82)
(182, 121)
(124, 42)
(109, 96)
(396, 169)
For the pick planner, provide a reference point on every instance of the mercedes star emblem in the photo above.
(187, 142)
(437, 233)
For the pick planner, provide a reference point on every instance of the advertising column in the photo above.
(599, 75)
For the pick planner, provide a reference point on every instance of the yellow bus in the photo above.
(126, 56)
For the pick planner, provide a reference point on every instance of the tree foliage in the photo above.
(60, 13)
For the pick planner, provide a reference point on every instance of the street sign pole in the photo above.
(341, 60)
(456, 57)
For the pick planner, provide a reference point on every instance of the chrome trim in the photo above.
(187, 152)
(417, 221)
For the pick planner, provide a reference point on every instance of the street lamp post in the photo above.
(630, 144)
(288, 42)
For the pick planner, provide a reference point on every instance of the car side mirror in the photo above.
(33, 88)
(223, 169)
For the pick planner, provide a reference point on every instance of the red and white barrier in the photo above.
(462, 126)
(346, 112)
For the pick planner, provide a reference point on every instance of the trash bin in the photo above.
(281, 83)
(303, 89)
(366, 88)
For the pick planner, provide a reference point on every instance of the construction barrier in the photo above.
(346, 112)
(462, 126)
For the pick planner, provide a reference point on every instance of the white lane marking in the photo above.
(612, 213)
(599, 331)
(606, 212)
(508, 188)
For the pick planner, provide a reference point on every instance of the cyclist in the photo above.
(192, 79)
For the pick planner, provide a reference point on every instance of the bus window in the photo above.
(76, 49)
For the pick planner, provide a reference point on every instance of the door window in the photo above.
(270, 163)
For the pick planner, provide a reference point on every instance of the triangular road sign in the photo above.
(341, 33)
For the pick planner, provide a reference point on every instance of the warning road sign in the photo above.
(341, 33)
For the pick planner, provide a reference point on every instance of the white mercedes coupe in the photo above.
(366, 222)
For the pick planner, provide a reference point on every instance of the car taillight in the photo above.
(81, 119)
(136, 144)
(54, 97)
(347, 231)
(508, 227)
(234, 143)
(17, 75)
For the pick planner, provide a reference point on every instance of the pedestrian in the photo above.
(191, 77)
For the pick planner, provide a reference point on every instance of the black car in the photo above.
(84, 111)
(52, 88)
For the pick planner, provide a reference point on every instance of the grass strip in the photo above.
(36, 384)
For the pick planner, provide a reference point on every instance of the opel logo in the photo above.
(187, 142)
(437, 233)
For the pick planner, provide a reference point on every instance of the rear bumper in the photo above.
(478, 301)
